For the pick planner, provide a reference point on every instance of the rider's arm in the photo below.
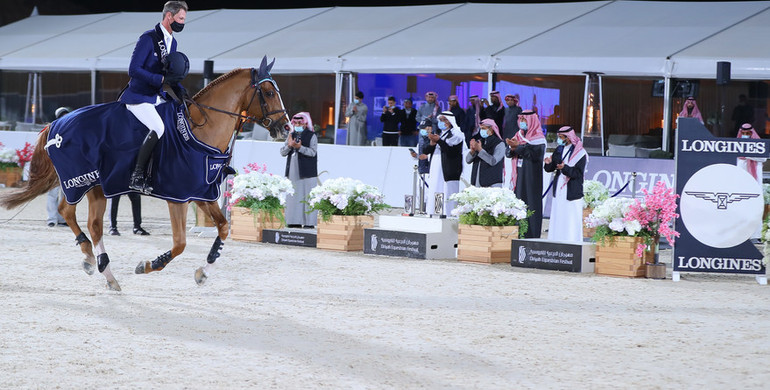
(142, 51)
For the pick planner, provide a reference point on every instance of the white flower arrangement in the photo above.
(490, 207)
(611, 213)
(346, 196)
(8, 157)
(257, 189)
(594, 193)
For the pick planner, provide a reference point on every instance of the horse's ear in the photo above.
(269, 67)
(264, 69)
(263, 65)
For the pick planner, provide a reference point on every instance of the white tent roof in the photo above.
(623, 38)
(638, 38)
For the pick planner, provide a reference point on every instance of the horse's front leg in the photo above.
(97, 203)
(178, 213)
(223, 228)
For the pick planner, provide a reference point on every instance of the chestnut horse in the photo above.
(215, 113)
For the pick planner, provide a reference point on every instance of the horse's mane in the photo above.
(216, 81)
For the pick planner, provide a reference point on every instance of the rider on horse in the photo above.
(149, 71)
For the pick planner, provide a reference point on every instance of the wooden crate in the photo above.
(617, 257)
(10, 176)
(587, 232)
(485, 244)
(343, 232)
(202, 219)
(245, 226)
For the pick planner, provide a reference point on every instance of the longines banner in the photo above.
(720, 205)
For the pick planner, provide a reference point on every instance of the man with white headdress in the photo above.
(301, 152)
(569, 162)
(495, 110)
(446, 149)
(752, 165)
(526, 151)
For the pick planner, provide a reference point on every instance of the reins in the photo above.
(266, 121)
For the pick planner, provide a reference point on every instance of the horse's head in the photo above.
(270, 110)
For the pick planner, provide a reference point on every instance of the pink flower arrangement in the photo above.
(655, 214)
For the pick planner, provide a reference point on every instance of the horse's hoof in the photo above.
(113, 285)
(144, 267)
(88, 267)
(200, 276)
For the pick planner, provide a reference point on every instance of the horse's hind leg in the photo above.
(178, 213)
(212, 209)
(68, 212)
(97, 203)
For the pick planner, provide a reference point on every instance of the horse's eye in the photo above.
(270, 93)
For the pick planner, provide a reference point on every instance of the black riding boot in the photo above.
(139, 179)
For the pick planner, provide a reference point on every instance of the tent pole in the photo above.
(490, 83)
(93, 86)
(666, 113)
(601, 113)
(337, 92)
(585, 102)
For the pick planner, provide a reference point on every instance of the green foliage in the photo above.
(487, 219)
(326, 209)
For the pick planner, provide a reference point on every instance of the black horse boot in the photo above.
(139, 181)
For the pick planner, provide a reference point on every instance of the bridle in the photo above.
(266, 121)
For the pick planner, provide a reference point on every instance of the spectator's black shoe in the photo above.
(51, 224)
(140, 231)
(62, 224)
(114, 232)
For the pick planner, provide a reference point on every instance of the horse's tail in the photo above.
(42, 176)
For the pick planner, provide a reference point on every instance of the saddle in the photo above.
(97, 145)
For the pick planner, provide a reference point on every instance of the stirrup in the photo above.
(139, 183)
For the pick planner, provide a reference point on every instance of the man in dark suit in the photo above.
(409, 130)
(144, 90)
(390, 118)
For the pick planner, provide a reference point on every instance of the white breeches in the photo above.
(147, 114)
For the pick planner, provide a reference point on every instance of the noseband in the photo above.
(266, 121)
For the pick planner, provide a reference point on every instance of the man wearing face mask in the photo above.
(357, 123)
(144, 90)
(526, 151)
(391, 116)
(487, 156)
(301, 150)
(752, 165)
(446, 161)
(568, 163)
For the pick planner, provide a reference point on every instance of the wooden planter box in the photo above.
(343, 232)
(485, 244)
(618, 257)
(10, 176)
(245, 226)
(587, 232)
(202, 219)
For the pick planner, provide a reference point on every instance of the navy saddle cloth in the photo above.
(98, 145)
